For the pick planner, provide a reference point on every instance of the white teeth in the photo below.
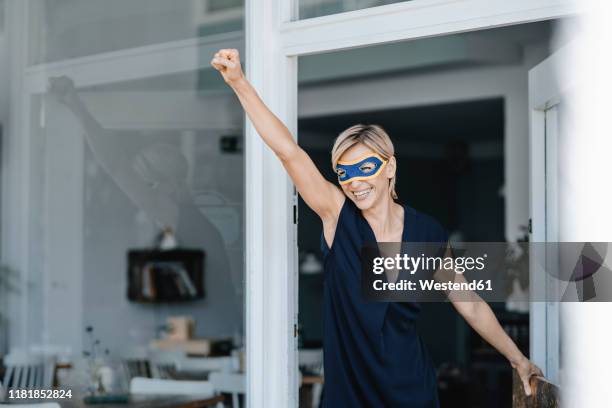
(362, 194)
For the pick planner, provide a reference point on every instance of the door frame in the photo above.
(545, 92)
(272, 311)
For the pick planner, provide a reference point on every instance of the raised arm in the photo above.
(321, 196)
(478, 314)
(106, 146)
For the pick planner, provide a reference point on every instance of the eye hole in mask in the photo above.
(367, 167)
(341, 172)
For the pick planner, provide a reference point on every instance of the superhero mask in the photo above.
(363, 168)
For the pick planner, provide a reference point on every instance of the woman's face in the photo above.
(366, 193)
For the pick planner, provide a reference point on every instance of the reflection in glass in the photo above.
(113, 155)
(318, 8)
(139, 184)
(63, 29)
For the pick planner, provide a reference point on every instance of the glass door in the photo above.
(126, 208)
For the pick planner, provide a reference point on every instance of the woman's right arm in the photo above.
(321, 196)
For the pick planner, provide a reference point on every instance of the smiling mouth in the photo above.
(362, 195)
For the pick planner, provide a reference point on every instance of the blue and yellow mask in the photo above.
(363, 168)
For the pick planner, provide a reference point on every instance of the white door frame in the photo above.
(271, 234)
(274, 41)
(411, 20)
(545, 92)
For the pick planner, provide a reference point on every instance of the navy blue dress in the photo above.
(373, 356)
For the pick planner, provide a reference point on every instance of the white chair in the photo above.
(139, 385)
(312, 360)
(208, 364)
(25, 370)
(229, 383)
(164, 363)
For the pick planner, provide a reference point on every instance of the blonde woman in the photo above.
(373, 355)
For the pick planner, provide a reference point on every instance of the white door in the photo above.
(548, 113)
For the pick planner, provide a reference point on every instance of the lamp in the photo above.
(310, 264)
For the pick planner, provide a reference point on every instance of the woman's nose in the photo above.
(355, 184)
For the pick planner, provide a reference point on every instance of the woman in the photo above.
(373, 355)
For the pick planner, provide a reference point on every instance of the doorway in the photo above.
(460, 127)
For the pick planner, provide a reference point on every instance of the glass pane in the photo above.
(134, 197)
(62, 29)
(318, 8)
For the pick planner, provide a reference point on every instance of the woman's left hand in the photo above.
(526, 369)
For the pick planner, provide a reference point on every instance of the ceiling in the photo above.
(472, 121)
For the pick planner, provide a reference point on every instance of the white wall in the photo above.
(585, 195)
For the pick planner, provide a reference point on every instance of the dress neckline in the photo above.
(371, 237)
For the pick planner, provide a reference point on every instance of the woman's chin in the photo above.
(363, 204)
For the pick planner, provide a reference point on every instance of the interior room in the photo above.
(133, 264)
(458, 137)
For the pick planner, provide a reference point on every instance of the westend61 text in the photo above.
(430, 284)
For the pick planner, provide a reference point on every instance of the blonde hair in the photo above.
(372, 136)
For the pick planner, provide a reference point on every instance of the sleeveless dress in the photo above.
(373, 356)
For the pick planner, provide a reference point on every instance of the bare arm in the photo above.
(478, 314)
(321, 196)
(103, 143)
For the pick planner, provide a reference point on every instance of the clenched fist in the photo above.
(63, 89)
(227, 62)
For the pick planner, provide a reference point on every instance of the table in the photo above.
(137, 401)
(312, 379)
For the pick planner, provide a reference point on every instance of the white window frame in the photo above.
(271, 263)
